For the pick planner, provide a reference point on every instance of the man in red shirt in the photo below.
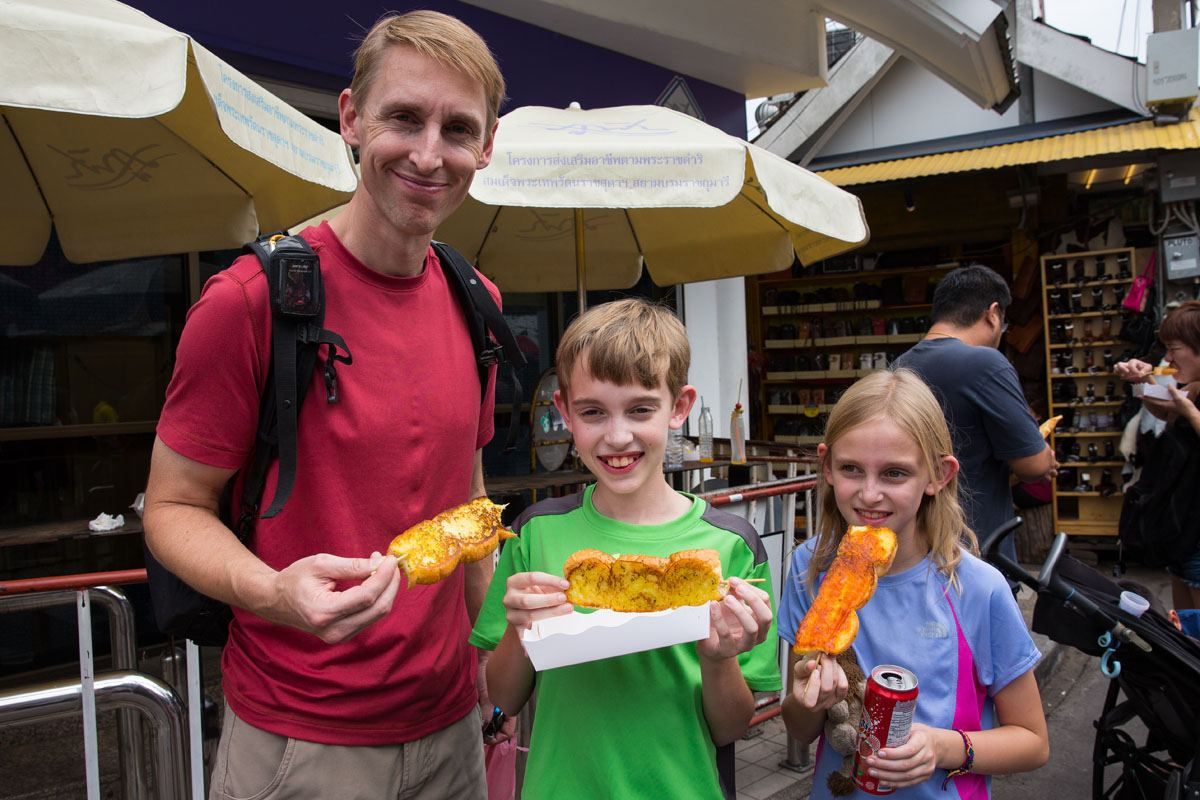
(339, 681)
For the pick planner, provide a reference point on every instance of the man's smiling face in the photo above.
(421, 133)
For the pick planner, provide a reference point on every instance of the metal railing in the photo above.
(798, 757)
(124, 657)
(121, 689)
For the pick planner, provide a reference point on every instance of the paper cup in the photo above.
(1134, 604)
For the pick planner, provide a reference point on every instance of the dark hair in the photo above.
(1182, 325)
(965, 294)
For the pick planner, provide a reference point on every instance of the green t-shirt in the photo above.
(631, 726)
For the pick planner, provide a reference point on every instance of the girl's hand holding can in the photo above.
(907, 764)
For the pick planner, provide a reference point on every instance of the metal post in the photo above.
(799, 758)
(580, 262)
(87, 695)
(195, 720)
(124, 657)
(114, 690)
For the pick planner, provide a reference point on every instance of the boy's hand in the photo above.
(907, 764)
(530, 596)
(819, 684)
(737, 623)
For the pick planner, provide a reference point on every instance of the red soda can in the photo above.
(887, 715)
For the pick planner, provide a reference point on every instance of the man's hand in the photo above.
(737, 623)
(530, 596)
(305, 595)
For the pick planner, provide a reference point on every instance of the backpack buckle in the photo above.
(490, 356)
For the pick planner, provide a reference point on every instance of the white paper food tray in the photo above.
(1151, 390)
(576, 638)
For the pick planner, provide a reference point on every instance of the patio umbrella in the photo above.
(136, 141)
(577, 199)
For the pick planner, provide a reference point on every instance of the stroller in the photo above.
(1154, 670)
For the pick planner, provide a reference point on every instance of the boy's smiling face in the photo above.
(620, 431)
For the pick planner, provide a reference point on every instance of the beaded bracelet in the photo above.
(968, 760)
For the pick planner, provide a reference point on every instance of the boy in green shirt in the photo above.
(660, 723)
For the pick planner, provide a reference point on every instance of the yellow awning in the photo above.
(1128, 138)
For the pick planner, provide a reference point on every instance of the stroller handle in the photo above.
(1056, 551)
(989, 550)
(1057, 587)
(1049, 582)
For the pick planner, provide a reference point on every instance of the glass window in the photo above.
(86, 352)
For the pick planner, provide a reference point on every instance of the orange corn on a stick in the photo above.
(831, 623)
(429, 551)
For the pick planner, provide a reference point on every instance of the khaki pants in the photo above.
(252, 764)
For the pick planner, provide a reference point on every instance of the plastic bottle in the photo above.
(737, 436)
(706, 434)
(673, 458)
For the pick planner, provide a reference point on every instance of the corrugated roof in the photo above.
(1131, 137)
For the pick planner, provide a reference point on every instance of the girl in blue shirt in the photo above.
(940, 611)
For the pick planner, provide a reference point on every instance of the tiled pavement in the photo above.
(761, 774)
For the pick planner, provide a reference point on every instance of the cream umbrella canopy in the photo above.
(133, 140)
(576, 199)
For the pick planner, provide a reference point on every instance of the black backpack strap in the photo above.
(295, 346)
(483, 316)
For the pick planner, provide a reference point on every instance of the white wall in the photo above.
(910, 104)
(715, 315)
(1055, 99)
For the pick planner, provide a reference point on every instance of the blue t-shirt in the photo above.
(989, 421)
(963, 647)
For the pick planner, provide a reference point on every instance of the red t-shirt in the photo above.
(398, 447)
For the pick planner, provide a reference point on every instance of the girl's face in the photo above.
(1184, 359)
(878, 476)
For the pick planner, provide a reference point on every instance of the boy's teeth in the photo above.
(622, 461)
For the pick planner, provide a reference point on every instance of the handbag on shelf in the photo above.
(1135, 298)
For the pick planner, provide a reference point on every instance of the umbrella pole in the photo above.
(580, 262)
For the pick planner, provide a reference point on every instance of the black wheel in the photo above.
(1140, 774)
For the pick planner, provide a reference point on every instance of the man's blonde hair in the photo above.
(901, 397)
(438, 36)
(626, 342)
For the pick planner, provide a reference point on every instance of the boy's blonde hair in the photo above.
(435, 35)
(903, 398)
(625, 342)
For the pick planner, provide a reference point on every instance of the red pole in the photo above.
(84, 580)
(754, 494)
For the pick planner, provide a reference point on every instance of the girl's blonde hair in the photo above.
(901, 397)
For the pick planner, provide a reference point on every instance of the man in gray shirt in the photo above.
(993, 430)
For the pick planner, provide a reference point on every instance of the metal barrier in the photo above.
(798, 756)
(124, 657)
(121, 689)
(114, 690)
